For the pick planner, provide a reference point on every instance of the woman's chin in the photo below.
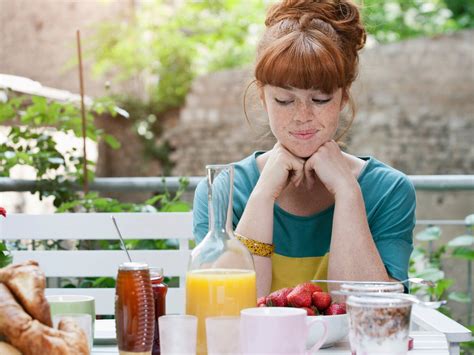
(303, 153)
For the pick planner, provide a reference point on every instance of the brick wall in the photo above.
(415, 110)
(38, 39)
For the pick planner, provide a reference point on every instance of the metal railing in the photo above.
(158, 184)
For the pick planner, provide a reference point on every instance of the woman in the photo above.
(315, 211)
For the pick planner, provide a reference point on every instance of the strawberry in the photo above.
(261, 300)
(309, 287)
(262, 305)
(309, 311)
(3, 212)
(322, 300)
(336, 308)
(278, 298)
(299, 297)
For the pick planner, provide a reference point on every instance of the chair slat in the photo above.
(74, 263)
(104, 298)
(435, 320)
(92, 263)
(161, 225)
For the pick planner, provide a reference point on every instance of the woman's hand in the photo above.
(329, 164)
(281, 168)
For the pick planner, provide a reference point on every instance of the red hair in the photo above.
(311, 44)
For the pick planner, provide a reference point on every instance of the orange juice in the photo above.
(218, 292)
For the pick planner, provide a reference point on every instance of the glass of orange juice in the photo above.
(221, 277)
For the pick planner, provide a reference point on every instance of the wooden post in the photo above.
(83, 112)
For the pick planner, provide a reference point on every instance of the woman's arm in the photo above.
(257, 223)
(353, 253)
(257, 220)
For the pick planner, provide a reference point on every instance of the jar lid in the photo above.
(128, 266)
(372, 287)
(377, 302)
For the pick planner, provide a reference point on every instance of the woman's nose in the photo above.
(304, 114)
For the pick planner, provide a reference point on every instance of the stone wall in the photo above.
(38, 39)
(416, 102)
(212, 126)
(415, 110)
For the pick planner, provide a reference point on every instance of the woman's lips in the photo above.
(304, 135)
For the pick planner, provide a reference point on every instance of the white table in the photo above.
(425, 342)
(440, 335)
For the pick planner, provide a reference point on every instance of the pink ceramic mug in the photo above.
(271, 330)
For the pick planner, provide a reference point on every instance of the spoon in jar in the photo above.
(415, 280)
(121, 238)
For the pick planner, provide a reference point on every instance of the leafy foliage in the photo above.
(5, 257)
(168, 45)
(395, 20)
(428, 264)
(171, 44)
(93, 202)
(164, 202)
(30, 142)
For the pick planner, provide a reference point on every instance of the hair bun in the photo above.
(336, 18)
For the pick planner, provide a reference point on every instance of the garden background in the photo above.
(179, 68)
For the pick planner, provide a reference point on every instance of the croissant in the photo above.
(27, 282)
(7, 349)
(34, 338)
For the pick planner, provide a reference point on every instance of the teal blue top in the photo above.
(302, 242)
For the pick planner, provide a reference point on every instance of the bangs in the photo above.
(303, 61)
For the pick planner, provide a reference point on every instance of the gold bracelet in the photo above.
(255, 247)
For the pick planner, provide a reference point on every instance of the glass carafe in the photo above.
(221, 276)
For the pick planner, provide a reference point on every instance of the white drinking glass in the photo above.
(178, 334)
(82, 319)
(223, 335)
(378, 325)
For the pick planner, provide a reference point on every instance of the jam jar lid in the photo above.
(132, 266)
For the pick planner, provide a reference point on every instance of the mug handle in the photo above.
(321, 341)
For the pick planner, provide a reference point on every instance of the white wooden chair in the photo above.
(96, 226)
(430, 319)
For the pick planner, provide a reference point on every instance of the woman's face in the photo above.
(302, 120)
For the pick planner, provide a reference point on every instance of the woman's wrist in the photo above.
(259, 208)
(263, 195)
(348, 191)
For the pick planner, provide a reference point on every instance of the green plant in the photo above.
(395, 20)
(92, 202)
(170, 43)
(427, 263)
(463, 250)
(30, 142)
(5, 257)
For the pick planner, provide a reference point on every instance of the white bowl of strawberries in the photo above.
(317, 303)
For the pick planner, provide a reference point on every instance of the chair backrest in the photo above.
(92, 263)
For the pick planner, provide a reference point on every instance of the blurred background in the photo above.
(165, 81)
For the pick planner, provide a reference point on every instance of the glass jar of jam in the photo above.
(160, 289)
(134, 309)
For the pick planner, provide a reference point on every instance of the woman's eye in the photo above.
(322, 102)
(283, 102)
